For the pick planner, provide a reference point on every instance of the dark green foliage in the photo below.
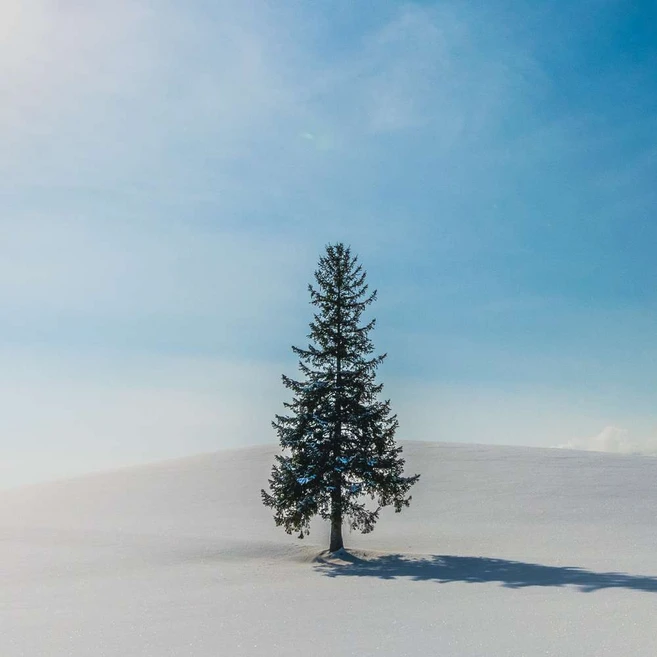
(338, 438)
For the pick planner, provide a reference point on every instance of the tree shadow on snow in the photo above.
(477, 570)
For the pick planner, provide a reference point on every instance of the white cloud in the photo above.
(615, 440)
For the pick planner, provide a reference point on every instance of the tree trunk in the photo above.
(336, 535)
(336, 516)
(336, 496)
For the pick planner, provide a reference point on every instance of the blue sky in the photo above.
(170, 173)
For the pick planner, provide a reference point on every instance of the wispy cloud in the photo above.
(232, 89)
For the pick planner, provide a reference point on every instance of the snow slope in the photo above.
(504, 551)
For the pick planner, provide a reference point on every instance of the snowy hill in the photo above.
(504, 551)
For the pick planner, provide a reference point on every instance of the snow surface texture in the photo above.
(504, 551)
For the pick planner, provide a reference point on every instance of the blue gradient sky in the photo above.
(170, 173)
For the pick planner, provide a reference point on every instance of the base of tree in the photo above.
(341, 558)
(340, 553)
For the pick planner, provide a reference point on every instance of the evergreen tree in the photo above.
(338, 438)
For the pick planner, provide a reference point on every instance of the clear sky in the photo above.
(171, 171)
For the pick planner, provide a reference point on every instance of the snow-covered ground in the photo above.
(504, 551)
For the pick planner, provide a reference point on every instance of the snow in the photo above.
(503, 551)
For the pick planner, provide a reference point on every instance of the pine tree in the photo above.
(338, 438)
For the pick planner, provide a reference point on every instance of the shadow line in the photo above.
(444, 569)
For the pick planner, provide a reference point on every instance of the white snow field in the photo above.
(504, 551)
